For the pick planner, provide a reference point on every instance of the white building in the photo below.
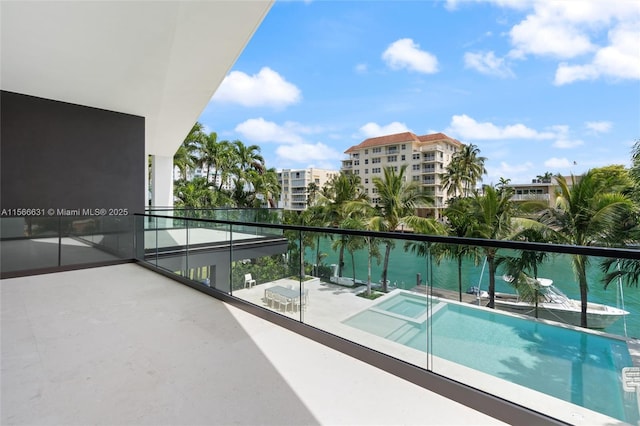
(426, 157)
(295, 184)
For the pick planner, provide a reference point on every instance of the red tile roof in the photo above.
(399, 138)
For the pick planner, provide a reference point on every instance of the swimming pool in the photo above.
(581, 368)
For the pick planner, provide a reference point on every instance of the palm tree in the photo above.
(248, 157)
(459, 224)
(634, 172)
(398, 202)
(584, 214)
(267, 185)
(185, 157)
(340, 190)
(492, 219)
(472, 165)
(545, 178)
(452, 179)
(359, 213)
(194, 194)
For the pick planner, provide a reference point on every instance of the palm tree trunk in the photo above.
(369, 267)
(341, 257)
(580, 263)
(492, 280)
(460, 278)
(318, 253)
(385, 266)
(353, 265)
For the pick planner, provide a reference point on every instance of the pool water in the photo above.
(406, 305)
(581, 368)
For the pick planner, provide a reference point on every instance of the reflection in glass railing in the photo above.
(33, 243)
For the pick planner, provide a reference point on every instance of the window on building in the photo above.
(366, 180)
(375, 170)
(366, 161)
(416, 178)
(356, 162)
(366, 171)
(392, 158)
(415, 167)
(366, 151)
(404, 146)
(317, 181)
(415, 156)
(375, 160)
(356, 172)
(376, 150)
(402, 157)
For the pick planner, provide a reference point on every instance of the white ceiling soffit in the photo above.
(162, 60)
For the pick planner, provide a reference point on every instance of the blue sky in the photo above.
(538, 86)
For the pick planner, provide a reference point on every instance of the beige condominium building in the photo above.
(426, 158)
(295, 184)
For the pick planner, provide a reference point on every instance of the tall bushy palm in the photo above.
(459, 224)
(194, 194)
(452, 179)
(217, 156)
(266, 184)
(492, 215)
(340, 190)
(359, 213)
(585, 213)
(399, 200)
(464, 171)
(248, 157)
(185, 157)
(634, 172)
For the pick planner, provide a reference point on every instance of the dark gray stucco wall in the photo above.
(56, 155)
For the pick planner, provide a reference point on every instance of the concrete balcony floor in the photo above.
(123, 345)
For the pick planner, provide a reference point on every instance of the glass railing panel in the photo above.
(172, 240)
(209, 254)
(545, 362)
(29, 243)
(94, 239)
(265, 269)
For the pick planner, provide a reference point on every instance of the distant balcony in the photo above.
(531, 197)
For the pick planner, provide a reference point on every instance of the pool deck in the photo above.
(330, 304)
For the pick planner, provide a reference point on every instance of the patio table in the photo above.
(290, 294)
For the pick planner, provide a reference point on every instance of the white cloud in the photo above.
(558, 163)
(372, 130)
(572, 30)
(540, 35)
(308, 153)
(467, 128)
(404, 53)
(619, 60)
(361, 68)
(266, 88)
(261, 130)
(567, 143)
(599, 126)
(487, 63)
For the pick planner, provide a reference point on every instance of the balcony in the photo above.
(125, 345)
(436, 343)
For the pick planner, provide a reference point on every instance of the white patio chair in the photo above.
(248, 280)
